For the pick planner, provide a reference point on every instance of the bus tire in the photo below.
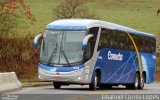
(136, 82)
(57, 85)
(94, 84)
(141, 83)
(135, 85)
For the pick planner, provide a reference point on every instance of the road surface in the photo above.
(77, 92)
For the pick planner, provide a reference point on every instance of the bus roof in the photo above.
(84, 24)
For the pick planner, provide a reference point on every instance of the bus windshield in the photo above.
(62, 47)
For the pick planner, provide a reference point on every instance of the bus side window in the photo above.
(91, 43)
(103, 39)
(129, 44)
(88, 51)
(113, 42)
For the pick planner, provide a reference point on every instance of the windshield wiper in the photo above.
(64, 54)
(53, 52)
(61, 50)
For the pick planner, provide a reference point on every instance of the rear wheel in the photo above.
(57, 85)
(141, 83)
(135, 85)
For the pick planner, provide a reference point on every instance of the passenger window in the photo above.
(120, 40)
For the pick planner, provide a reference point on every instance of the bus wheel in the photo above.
(57, 85)
(135, 85)
(141, 83)
(136, 82)
(94, 84)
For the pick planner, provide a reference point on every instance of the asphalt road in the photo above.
(77, 92)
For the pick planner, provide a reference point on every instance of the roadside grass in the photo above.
(158, 68)
(18, 55)
(34, 83)
(138, 14)
(157, 76)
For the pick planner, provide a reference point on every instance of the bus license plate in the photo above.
(57, 78)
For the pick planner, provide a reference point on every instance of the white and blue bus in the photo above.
(96, 53)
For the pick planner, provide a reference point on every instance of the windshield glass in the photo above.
(62, 47)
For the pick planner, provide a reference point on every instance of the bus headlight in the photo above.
(39, 76)
(79, 78)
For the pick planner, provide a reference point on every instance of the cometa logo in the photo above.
(112, 56)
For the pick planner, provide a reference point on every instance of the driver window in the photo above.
(91, 43)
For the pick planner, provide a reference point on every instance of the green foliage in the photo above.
(138, 14)
(7, 23)
(74, 9)
(18, 54)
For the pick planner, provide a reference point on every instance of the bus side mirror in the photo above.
(36, 40)
(85, 41)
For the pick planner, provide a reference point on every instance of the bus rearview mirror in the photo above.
(85, 41)
(36, 40)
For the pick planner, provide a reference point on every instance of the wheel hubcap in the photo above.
(95, 83)
(142, 82)
(136, 82)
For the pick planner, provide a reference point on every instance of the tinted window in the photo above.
(115, 40)
(105, 39)
(145, 44)
(121, 40)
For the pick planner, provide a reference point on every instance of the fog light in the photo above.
(79, 78)
(39, 76)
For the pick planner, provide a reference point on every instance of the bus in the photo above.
(96, 53)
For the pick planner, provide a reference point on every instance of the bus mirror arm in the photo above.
(36, 40)
(85, 41)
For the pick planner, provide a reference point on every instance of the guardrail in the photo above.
(9, 81)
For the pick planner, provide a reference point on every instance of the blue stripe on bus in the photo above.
(56, 27)
(60, 69)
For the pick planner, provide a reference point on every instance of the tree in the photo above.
(11, 6)
(74, 9)
(10, 10)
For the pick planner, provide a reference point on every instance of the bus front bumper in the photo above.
(75, 76)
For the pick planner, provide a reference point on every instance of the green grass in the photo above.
(138, 14)
(33, 83)
(43, 11)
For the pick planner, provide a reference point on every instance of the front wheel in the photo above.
(94, 84)
(57, 85)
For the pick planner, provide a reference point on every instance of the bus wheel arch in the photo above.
(98, 71)
(95, 80)
(144, 76)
